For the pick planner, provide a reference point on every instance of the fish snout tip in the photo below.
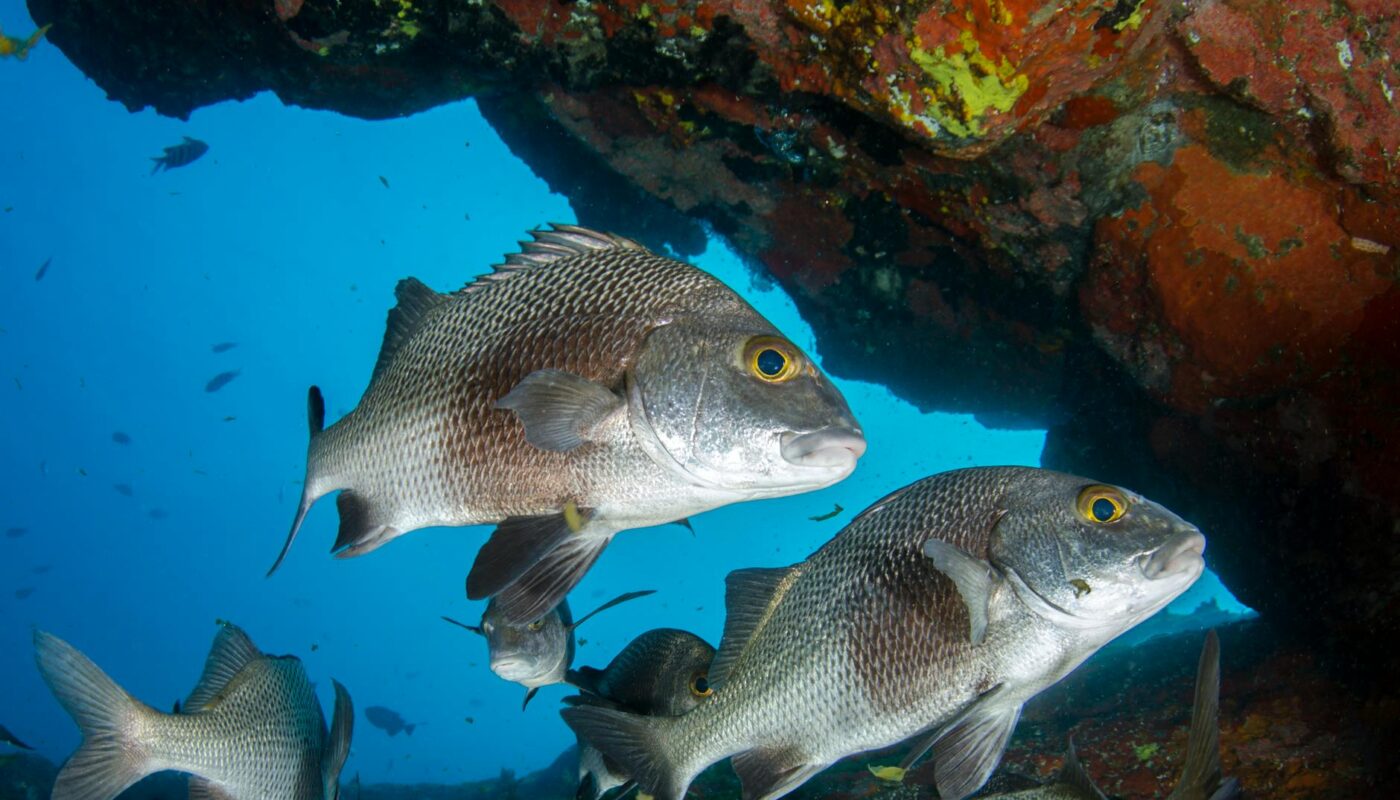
(1184, 552)
(827, 447)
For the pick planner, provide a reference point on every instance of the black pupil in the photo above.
(771, 362)
(701, 685)
(1103, 509)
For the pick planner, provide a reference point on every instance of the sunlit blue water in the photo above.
(284, 240)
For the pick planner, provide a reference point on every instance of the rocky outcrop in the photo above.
(1167, 231)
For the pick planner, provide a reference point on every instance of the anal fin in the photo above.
(772, 773)
(546, 583)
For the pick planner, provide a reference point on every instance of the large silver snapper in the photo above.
(940, 609)
(585, 387)
(252, 729)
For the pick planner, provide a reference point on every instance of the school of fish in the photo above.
(587, 386)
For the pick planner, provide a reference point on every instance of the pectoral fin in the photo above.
(559, 409)
(517, 545)
(974, 578)
(968, 751)
(772, 773)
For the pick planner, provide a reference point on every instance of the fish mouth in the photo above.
(827, 448)
(1183, 553)
(514, 669)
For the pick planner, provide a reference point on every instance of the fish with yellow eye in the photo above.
(13, 46)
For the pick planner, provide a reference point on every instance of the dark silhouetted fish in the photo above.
(9, 738)
(157, 513)
(388, 720)
(221, 380)
(585, 387)
(43, 269)
(179, 155)
(828, 515)
(252, 728)
(23, 592)
(15, 533)
(938, 611)
(384, 181)
(123, 489)
(224, 347)
(120, 438)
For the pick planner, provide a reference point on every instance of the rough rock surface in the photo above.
(1167, 231)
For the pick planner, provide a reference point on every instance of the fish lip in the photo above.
(1182, 553)
(825, 448)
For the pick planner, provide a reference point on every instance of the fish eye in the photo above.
(700, 685)
(1102, 504)
(536, 626)
(771, 359)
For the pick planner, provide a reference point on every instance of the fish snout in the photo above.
(828, 447)
(1182, 553)
(514, 669)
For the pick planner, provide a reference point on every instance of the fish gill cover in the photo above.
(281, 237)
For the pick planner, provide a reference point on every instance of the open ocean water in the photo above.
(139, 506)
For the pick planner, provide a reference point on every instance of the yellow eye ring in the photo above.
(700, 685)
(1102, 505)
(536, 626)
(771, 359)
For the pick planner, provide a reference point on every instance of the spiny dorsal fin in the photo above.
(750, 595)
(232, 651)
(1073, 773)
(1201, 773)
(551, 244)
(415, 301)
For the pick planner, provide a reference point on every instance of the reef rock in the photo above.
(1167, 231)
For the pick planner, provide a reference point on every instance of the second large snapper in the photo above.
(941, 609)
(585, 387)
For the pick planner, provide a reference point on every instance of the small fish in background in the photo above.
(942, 608)
(18, 48)
(124, 489)
(828, 515)
(251, 728)
(661, 672)
(230, 419)
(559, 397)
(42, 569)
(43, 269)
(23, 592)
(10, 739)
(537, 653)
(221, 380)
(179, 155)
(1202, 776)
(120, 438)
(15, 533)
(389, 721)
(384, 181)
(224, 347)
(157, 513)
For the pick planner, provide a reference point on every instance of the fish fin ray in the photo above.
(337, 746)
(557, 242)
(622, 598)
(109, 760)
(771, 772)
(749, 597)
(1201, 772)
(558, 408)
(363, 525)
(415, 300)
(231, 652)
(546, 583)
(205, 789)
(515, 547)
(968, 751)
(1074, 774)
(973, 577)
(316, 422)
(315, 410)
(637, 744)
(473, 628)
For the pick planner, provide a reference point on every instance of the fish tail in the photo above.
(160, 162)
(638, 744)
(314, 487)
(110, 759)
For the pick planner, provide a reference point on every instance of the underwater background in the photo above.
(157, 335)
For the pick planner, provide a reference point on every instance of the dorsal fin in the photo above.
(552, 244)
(415, 300)
(232, 651)
(750, 595)
(1073, 773)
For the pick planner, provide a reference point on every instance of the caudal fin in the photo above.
(637, 744)
(109, 760)
(316, 422)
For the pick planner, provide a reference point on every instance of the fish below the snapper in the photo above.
(585, 387)
(940, 610)
(251, 729)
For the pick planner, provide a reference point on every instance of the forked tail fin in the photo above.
(109, 760)
(638, 745)
(316, 422)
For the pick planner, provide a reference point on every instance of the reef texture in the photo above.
(1167, 231)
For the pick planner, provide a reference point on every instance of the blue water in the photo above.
(284, 240)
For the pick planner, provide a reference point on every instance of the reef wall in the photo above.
(1167, 231)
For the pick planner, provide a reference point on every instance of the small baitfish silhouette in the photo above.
(179, 155)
